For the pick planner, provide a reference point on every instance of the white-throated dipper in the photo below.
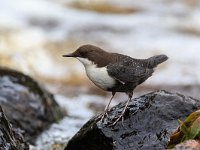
(115, 72)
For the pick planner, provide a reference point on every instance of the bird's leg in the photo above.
(107, 107)
(124, 110)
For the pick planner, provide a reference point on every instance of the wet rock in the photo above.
(148, 123)
(10, 138)
(26, 104)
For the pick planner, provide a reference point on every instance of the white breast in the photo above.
(99, 76)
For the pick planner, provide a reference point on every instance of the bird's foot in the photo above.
(118, 119)
(121, 115)
(105, 113)
(106, 110)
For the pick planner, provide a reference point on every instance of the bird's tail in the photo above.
(156, 60)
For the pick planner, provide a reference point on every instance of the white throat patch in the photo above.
(99, 76)
(85, 61)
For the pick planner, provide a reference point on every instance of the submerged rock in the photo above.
(10, 138)
(26, 104)
(148, 123)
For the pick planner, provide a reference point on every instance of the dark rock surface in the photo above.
(26, 104)
(148, 123)
(10, 138)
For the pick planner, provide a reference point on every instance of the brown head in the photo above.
(92, 53)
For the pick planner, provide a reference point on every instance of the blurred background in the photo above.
(34, 34)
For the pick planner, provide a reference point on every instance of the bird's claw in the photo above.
(117, 120)
(103, 116)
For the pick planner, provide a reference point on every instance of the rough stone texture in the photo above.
(10, 138)
(148, 123)
(26, 104)
(188, 145)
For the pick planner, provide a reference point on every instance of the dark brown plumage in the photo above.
(123, 73)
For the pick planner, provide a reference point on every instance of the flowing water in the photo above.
(35, 34)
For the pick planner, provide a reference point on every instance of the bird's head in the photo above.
(87, 54)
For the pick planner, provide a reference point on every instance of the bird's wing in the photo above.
(129, 73)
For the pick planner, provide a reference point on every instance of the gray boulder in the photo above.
(26, 104)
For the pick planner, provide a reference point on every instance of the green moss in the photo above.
(188, 129)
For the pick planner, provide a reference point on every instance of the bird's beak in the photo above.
(69, 55)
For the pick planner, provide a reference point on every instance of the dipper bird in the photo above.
(115, 72)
